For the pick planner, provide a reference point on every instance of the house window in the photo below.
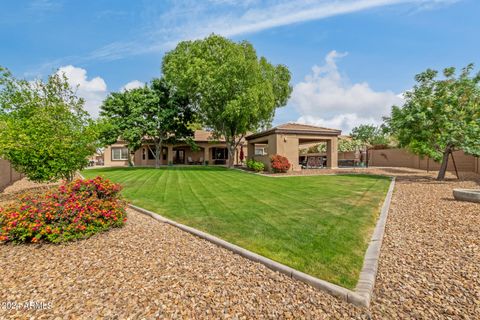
(164, 153)
(219, 153)
(151, 155)
(119, 154)
(260, 151)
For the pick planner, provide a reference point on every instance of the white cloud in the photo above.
(93, 90)
(132, 85)
(187, 19)
(327, 98)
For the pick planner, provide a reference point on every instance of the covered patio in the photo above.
(287, 139)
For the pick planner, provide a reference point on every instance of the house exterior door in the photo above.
(179, 156)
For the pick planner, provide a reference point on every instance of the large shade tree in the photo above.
(44, 131)
(152, 114)
(233, 90)
(440, 115)
(121, 118)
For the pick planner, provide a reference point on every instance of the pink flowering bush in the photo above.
(75, 210)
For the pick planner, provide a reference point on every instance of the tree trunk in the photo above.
(130, 162)
(443, 167)
(231, 153)
(158, 151)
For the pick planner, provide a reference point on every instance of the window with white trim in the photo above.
(119, 153)
(260, 151)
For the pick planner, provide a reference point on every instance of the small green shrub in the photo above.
(76, 210)
(255, 165)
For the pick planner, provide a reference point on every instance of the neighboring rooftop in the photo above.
(204, 136)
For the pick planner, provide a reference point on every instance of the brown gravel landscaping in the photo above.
(428, 269)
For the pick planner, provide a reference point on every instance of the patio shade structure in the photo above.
(286, 139)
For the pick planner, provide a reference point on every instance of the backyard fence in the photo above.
(403, 158)
(7, 174)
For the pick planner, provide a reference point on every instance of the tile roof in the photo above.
(301, 126)
(204, 135)
(296, 128)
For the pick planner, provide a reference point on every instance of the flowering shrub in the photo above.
(279, 163)
(75, 210)
(255, 165)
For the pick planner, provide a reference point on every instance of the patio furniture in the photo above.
(190, 161)
(200, 161)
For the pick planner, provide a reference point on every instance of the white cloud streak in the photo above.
(188, 19)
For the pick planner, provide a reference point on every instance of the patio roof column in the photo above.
(170, 154)
(206, 155)
(250, 150)
(332, 153)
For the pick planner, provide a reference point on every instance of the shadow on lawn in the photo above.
(175, 167)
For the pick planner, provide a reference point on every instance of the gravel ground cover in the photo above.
(428, 269)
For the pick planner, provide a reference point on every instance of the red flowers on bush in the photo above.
(279, 163)
(75, 210)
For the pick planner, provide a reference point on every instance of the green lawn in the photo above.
(320, 225)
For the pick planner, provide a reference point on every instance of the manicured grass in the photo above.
(320, 225)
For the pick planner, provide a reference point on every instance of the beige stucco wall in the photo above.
(271, 142)
(7, 174)
(288, 146)
(403, 158)
(108, 157)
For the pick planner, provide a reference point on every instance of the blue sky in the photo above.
(350, 60)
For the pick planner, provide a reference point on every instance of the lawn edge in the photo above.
(364, 289)
(366, 280)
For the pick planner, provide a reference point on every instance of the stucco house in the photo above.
(285, 140)
(209, 150)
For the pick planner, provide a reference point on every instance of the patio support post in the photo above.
(170, 155)
(332, 153)
(206, 155)
(250, 150)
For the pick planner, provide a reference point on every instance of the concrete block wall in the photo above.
(403, 158)
(7, 174)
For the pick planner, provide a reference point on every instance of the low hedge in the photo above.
(255, 165)
(75, 210)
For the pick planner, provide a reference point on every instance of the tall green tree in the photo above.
(153, 114)
(121, 112)
(45, 132)
(348, 145)
(368, 136)
(440, 115)
(233, 90)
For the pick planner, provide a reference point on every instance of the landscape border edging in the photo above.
(323, 285)
(364, 289)
(366, 281)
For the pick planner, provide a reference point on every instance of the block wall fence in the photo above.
(403, 158)
(7, 174)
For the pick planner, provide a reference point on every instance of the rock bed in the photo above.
(430, 258)
(428, 269)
